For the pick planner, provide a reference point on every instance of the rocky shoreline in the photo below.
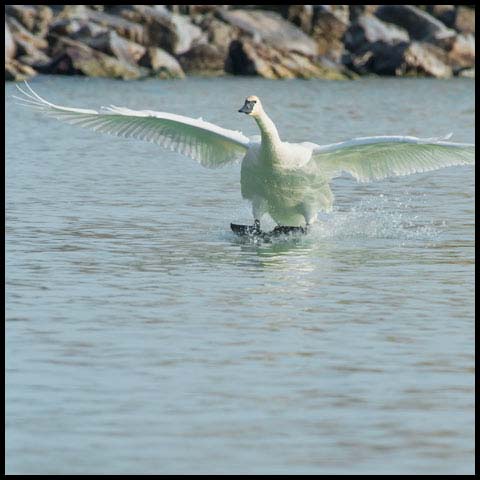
(271, 41)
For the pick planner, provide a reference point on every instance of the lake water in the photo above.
(143, 337)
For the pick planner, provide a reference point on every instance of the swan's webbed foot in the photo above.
(281, 229)
(247, 229)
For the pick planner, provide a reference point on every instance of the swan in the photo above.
(289, 181)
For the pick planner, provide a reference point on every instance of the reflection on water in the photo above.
(144, 337)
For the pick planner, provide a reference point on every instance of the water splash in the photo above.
(378, 217)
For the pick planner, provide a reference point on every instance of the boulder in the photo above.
(462, 53)
(35, 18)
(10, 48)
(75, 58)
(271, 28)
(112, 44)
(379, 59)
(130, 30)
(25, 14)
(161, 63)
(30, 55)
(170, 31)
(445, 13)
(465, 20)
(329, 26)
(20, 33)
(305, 67)
(416, 58)
(467, 73)
(419, 24)
(368, 29)
(218, 33)
(204, 59)
(73, 12)
(248, 57)
(426, 60)
(77, 28)
(17, 71)
(356, 10)
(245, 60)
(192, 10)
(301, 16)
(40, 63)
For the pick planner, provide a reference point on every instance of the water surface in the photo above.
(143, 337)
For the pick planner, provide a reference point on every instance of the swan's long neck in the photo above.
(270, 137)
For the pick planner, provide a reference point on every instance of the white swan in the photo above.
(289, 181)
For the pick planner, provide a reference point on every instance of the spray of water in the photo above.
(377, 217)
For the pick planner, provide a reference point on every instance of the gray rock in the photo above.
(356, 10)
(467, 73)
(30, 55)
(375, 46)
(247, 57)
(368, 29)
(462, 53)
(329, 26)
(445, 13)
(112, 44)
(192, 10)
(25, 14)
(17, 71)
(414, 59)
(77, 28)
(77, 12)
(170, 31)
(426, 60)
(10, 48)
(39, 62)
(419, 24)
(204, 59)
(465, 20)
(74, 57)
(301, 16)
(270, 27)
(35, 18)
(130, 30)
(161, 63)
(218, 33)
(411, 59)
(379, 59)
(19, 32)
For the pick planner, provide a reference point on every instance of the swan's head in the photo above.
(252, 106)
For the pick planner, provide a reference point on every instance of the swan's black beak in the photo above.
(247, 107)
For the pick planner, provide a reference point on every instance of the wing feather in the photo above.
(205, 142)
(375, 158)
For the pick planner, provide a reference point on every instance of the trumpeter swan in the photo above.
(289, 181)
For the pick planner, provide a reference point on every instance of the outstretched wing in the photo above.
(205, 142)
(374, 158)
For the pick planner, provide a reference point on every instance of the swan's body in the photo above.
(284, 183)
(289, 181)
